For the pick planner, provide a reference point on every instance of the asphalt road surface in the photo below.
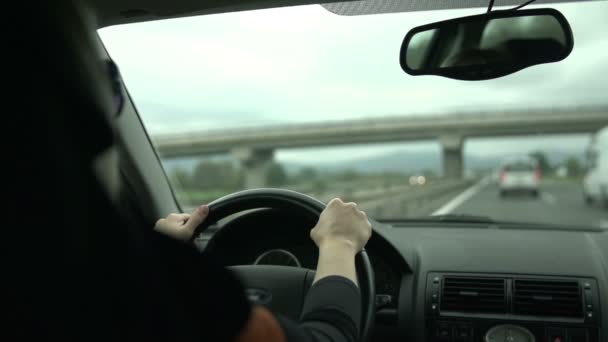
(559, 202)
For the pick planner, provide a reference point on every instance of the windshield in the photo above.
(304, 99)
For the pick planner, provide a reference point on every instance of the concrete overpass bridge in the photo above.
(255, 147)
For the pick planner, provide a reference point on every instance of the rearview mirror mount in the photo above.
(488, 45)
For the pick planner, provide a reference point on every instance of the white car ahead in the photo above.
(519, 175)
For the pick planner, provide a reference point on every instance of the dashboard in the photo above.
(452, 282)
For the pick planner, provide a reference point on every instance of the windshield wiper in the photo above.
(462, 218)
(466, 218)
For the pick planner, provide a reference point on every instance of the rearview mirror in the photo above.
(487, 46)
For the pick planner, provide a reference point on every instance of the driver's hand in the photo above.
(181, 226)
(342, 223)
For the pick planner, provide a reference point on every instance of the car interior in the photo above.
(457, 280)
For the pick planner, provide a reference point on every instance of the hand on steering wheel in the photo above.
(338, 223)
(342, 223)
(182, 226)
(341, 232)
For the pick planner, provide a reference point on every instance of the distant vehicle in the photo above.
(561, 171)
(595, 183)
(521, 174)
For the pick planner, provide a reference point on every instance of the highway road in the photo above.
(559, 202)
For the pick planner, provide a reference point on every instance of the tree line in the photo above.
(222, 175)
(228, 175)
(572, 164)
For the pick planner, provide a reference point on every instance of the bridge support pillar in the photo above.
(451, 146)
(255, 164)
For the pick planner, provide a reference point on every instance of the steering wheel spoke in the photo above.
(280, 288)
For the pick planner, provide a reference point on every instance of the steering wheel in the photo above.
(283, 288)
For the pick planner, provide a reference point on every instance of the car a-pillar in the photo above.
(451, 147)
(255, 164)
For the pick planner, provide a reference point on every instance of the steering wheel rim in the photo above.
(287, 199)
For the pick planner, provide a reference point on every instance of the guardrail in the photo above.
(417, 201)
(397, 201)
(380, 201)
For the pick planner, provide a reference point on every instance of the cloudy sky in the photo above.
(305, 64)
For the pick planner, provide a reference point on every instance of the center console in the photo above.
(469, 307)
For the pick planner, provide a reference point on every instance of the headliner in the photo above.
(114, 12)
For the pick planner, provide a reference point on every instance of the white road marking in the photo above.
(547, 197)
(462, 197)
(603, 224)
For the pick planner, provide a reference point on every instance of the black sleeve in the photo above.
(174, 293)
(331, 313)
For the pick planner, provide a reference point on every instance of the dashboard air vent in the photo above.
(547, 298)
(467, 294)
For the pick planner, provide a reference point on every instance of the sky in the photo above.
(305, 64)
